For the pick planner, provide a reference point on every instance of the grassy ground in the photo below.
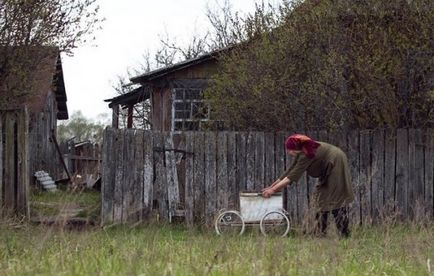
(164, 250)
(84, 204)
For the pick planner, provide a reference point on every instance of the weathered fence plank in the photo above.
(354, 162)
(108, 176)
(1, 163)
(401, 186)
(365, 176)
(250, 161)
(22, 184)
(428, 172)
(377, 173)
(418, 190)
(189, 180)
(127, 185)
(199, 177)
(280, 164)
(160, 183)
(180, 156)
(412, 204)
(233, 187)
(210, 178)
(269, 161)
(139, 159)
(241, 162)
(10, 171)
(389, 173)
(148, 174)
(171, 176)
(222, 171)
(259, 162)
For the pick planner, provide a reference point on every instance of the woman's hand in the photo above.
(268, 192)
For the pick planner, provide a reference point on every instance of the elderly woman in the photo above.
(333, 192)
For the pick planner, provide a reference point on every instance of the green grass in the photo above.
(51, 204)
(164, 250)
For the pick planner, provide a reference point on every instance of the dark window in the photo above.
(189, 109)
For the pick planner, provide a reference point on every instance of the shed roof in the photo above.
(44, 76)
(153, 75)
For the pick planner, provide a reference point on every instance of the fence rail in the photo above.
(14, 162)
(145, 172)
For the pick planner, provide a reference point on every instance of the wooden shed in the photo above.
(44, 96)
(175, 93)
(47, 105)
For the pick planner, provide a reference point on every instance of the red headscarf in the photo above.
(302, 142)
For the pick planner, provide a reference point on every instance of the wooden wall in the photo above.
(14, 162)
(161, 96)
(146, 173)
(44, 155)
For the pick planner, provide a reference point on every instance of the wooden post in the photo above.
(23, 179)
(10, 168)
(402, 172)
(148, 175)
(1, 161)
(130, 116)
(189, 180)
(210, 178)
(222, 171)
(108, 175)
(115, 116)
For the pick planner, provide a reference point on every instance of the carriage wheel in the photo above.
(275, 223)
(229, 223)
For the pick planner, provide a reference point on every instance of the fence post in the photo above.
(1, 163)
(22, 188)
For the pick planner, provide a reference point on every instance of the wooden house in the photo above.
(175, 93)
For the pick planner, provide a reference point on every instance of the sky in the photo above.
(131, 28)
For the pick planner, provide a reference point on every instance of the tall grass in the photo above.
(164, 250)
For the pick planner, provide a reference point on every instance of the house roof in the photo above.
(143, 92)
(44, 74)
(153, 75)
(136, 95)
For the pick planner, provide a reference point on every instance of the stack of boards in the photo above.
(46, 181)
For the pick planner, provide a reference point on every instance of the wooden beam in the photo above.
(130, 116)
(115, 116)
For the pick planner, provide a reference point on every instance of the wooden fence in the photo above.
(83, 159)
(14, 162)
(198, 173)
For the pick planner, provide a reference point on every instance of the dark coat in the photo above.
(330, 165)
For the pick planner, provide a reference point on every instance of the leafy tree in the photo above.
(331, 64)
(81, 129)
(33, 30)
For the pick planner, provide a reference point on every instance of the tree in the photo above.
(81, 129)
(33, 30)
(331, 64)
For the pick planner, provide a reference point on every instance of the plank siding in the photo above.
(250, 161)
(148, 174)
(189, 180)
(108, 175)
(222, 171)
(428, 172)
(354, 162)
(14, 163)
(402, 172)
(199, 178)
(389, 173)
(233, 187)
(210, 178)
